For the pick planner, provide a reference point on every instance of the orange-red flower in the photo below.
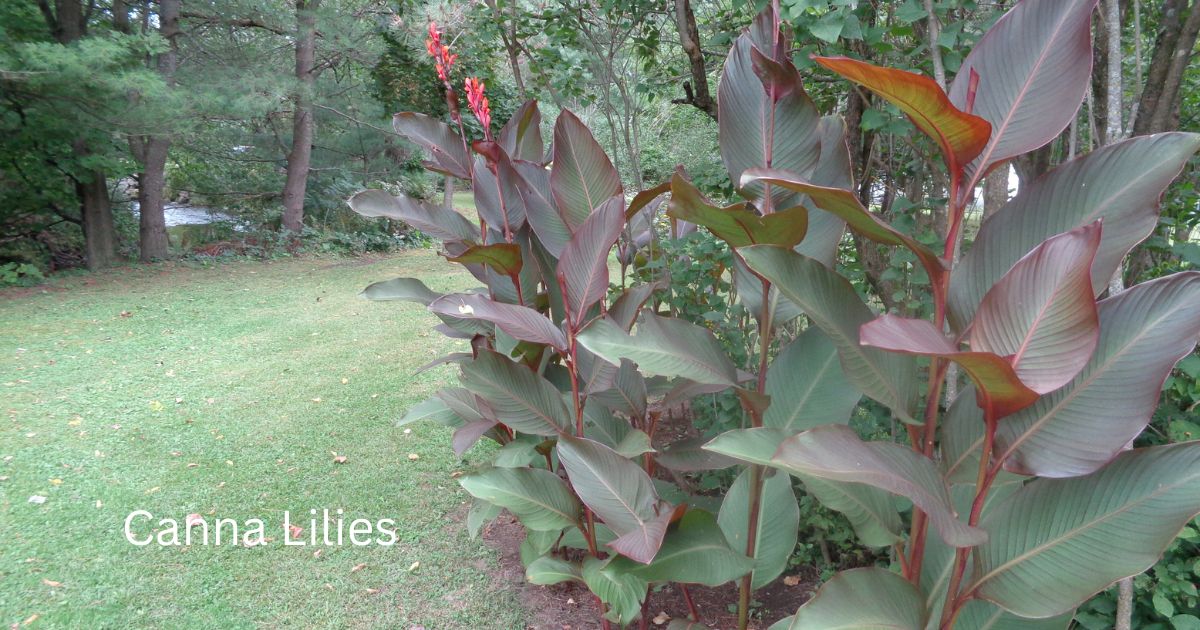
(478, 103)
(440, 52)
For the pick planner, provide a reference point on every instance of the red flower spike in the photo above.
(479, 103)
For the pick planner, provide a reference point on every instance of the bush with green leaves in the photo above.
(1027, 478)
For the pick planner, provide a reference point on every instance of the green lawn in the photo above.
(224, 391)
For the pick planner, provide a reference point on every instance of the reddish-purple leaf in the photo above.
(436, 221)
(584, 262)
(497, 196)
(521, 136)
(467, 435)
(447, 152)
(581, 177)
(504, 258)
(991, 373)
(1034, 65)
(960, 135)
(1041, 315)
(766, 119)
(519, 321)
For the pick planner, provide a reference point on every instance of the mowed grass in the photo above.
(224, 391)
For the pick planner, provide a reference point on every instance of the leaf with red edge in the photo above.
(521, 322)
(504, 258)
(446, 150)
(960, 135)
(991, 373)
(1034, 65)
(1041, 315)
(620, 493)
(582, 177)
(646, 198)
(835, 452)
(436, 221)
(521, 136)
(737, 224)
(845, 204)
(497, 196)
(467, 435)
(584, 262)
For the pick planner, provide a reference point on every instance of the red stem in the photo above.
(687, 597)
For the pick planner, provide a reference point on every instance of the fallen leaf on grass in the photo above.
(412, 457)
(51, 583)
(56, 482)
(317, 553)
(37, 499)
(414, 566)
(32, 618)
(329, 586)
(126, 314)
(661, 618)
(373, 591)
(153, 490)
(295, 531)
(317, 399)
(359, 567)
(192, 464)
(339, 459)
(193, 519)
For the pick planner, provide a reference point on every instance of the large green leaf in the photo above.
(836, 453)
(663, 346)
(688, 455)
(860, 599)
(622, 592)
(778, 523)
(628, 393)
(540, 498)
(980, 615)
(766, 118)
(1056, 542)
(845, 205)
(833, 169)
(582, 177)
(807, 386)
(832, 304)
(871, 511)
(1041, 315)
(583, 266)
(446, 149)
(433, 409)
(517, 395)
(1120, 183)
(993, 374)
(694, 552)
(620, 493)
(521, 322)
(1033, 68)
(544, 216)
(960, 135)
(1144, 331)
(405, 289)
(738, 225)
(497, 198)
(436, 221)
(503, 258)
(548, 570)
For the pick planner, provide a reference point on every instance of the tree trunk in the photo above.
(98, 233)
(151, 151)
(1158, 108)
(995, 191)
(698, 94)
(448, 192)
(303, 126)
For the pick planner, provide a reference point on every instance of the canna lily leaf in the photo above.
(503, 258)
(765, 117)
(1144, 332)
(994, 376)
(620, 493)
(542, 214)
(833, 305)
(833, 170)
(690, 456)
(625, 309)
(1056, 542)
(1033, 67)
(736, 224)
(628, 394)
(540, 498)
(694, 552)
(582, 177)
(861, 599)
(778, 523)
(521, 322)
(548, 570)
(960, 135)
(583, 266)
(845, 205)
(517, 395)
(497, 198)
(807, 386)
(405, 289)
(436, 221)
(664, 347)
(1042, 314)
(836, 453)
(1120, 183)
(622, 592)
(467, 435)
(521, 136)
(446, 149)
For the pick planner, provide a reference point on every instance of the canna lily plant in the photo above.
(1035, 499)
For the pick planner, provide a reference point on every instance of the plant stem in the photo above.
(746, 588)
(687, 597)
